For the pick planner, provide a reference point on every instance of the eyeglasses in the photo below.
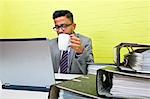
(62, 26)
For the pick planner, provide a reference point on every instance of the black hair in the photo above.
(60, 13)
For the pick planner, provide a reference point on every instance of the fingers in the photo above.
(75, 40)
(76, 44)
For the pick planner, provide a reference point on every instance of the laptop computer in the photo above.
(25, 64)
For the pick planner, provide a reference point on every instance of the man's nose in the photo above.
(60, 30)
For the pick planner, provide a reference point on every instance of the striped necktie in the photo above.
(64, 62)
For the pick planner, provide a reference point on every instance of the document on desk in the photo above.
(92, 68)
(59, 76)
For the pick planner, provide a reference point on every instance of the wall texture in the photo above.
(107, 22)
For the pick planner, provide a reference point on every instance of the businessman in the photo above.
(79, 53)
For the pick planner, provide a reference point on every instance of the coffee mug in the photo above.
(63, 41)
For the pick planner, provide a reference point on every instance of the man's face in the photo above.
(63, 25)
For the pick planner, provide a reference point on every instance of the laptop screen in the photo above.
(26, 62)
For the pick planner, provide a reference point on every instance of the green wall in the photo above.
(107, 22)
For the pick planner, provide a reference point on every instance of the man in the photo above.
(80, 50)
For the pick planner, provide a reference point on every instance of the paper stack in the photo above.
(130, 87)
(139, 61)
(146, 61)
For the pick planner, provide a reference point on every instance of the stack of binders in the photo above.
(129, 79)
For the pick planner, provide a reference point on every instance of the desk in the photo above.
(20, 94)
(26, 94)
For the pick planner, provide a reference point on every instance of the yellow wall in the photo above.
(1, 17)
(107, 22)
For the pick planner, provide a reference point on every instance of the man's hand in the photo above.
(76, 44)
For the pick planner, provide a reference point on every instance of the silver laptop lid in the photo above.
(26, 62)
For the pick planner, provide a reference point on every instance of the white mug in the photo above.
(63, 41)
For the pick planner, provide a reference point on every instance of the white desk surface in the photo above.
(20, 94)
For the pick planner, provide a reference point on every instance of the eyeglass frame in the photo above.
(62, 26)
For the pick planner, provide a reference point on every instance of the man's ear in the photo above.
(74, 26)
